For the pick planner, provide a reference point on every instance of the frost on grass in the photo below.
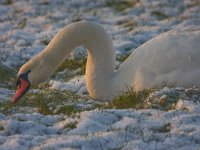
(111, 129)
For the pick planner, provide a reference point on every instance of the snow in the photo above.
(107, 129)
(26, 27)
(5, 94)
(75, 85)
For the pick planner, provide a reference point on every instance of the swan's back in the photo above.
(172, 58)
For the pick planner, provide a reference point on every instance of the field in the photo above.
(59, 114)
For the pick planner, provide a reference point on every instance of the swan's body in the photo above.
(171, 58)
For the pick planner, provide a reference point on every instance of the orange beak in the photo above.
(23, 86)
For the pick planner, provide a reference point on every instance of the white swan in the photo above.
(170, 58)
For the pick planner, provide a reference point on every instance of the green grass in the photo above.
(122, 58)
(8, 2)
(67, 109)
(121, 5)
(45, 102)
(165, 129)
(1, 128)
(130, 24)
(71, 125)
(194, 3)
(22, 24)
(165, 104)
(45, 42)
(160, 15)
(71, 65)
(6, 73)
(130, 99)
(137, 100)
(7, 76)
(6, 107)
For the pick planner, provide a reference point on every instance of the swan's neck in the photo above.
(100, 64)
(101, 56)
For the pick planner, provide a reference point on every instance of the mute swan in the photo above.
(172, 57)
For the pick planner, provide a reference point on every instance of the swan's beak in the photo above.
(23, 86)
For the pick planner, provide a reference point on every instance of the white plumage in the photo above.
(170, 58)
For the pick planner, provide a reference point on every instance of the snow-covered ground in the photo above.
(27, 26)
(147, 129)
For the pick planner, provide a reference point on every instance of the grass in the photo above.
(52, 102)
(72, 65)
(194, 3)
(8, 2)
(160, 15)
(122, 58)
(1, 128)
(6, 107)
(45, 102)
(6, 73)
(121, 5)
(141, 100)
(130, 99)
(45, 42)
(128, 24)
(165, 129)
(22, 24)
(7, 76)
(169, 103)
(67, 109)
(71, 125)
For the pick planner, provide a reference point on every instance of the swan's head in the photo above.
(29, 74)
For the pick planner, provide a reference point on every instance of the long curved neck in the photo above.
(101, 56)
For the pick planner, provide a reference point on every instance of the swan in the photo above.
(171, 57)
